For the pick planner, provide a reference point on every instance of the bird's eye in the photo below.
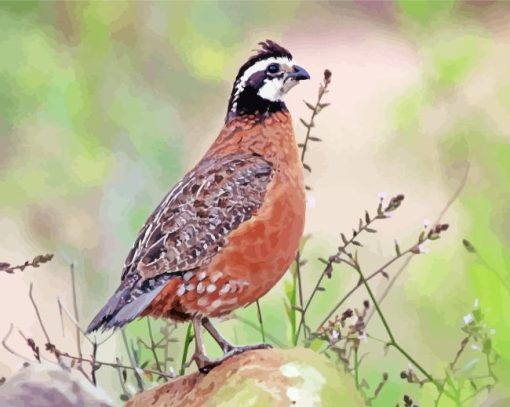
(273, 68)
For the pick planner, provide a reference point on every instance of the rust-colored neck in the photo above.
(270, 136)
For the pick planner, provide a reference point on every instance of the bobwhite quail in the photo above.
(228, 231)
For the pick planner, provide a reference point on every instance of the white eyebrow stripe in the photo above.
(261, 65)
(257, 66)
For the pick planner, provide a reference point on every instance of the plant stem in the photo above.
(315, 111)
(261, 322)
(393, 341)
(153, 345)
(356, 368)
(359, 283)
(315, 290)
(139, 380)
(187, 341)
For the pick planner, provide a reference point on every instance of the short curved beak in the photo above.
(298, 73)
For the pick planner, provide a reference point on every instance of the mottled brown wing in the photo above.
(192, 223)
(187, 229)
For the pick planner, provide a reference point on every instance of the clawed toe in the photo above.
(205, 365)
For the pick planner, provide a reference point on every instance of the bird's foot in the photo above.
(205, 365)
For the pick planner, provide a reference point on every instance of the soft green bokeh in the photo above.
(99, 101)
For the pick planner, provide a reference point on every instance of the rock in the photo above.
(269, 377)
(48, 385)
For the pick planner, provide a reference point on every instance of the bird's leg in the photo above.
(225, 345)
(203, 362)
(200, 357)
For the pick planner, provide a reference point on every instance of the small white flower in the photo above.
(468, 319)
(171, 371)
(310, 201)
(476, 304)
(423, 248)
(476, 347)
(363, 337)
(333, 337)
(410, 366)
(492, 331)
(426, 223)
(381, 196)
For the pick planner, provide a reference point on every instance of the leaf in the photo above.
(312, 138)
(467, 245)
(321, 289)
(307, 125)
(309, 105)
(355, 243)
(367, 217)
(307, 167)
(397, 249)
(4, 266)
(323, 105)
(370, 230)
(344, 239)
(329, 270)
(421, 237)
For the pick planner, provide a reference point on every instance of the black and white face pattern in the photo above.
(262, 86)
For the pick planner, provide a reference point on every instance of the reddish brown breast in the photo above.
(260, 250)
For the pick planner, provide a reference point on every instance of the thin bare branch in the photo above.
(8, 348)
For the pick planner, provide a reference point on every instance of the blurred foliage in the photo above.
(96, 99)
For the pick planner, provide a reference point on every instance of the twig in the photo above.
(302, 321)
(393, 341)
(463, 345)
(75, 305)
(73, 320)
(115, 365)
(450, 202)
(49, 345)
(341, 250)
(470, 248)
(356, 368)
(153, 345)
(380, 270)
(35, 262)
(9, 349)
(94, 365)
(126, 395)
(316, 109)
(138, 378)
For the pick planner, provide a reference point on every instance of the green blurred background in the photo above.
(104, 106)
